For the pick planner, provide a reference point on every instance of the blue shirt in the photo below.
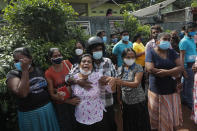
(119, 48)
(188, 45)
(162, 85)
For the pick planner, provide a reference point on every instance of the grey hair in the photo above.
(160, 35)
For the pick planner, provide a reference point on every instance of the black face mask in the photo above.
(57, 60)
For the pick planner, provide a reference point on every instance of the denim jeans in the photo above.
(188, 84)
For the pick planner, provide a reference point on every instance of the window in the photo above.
(85, 25)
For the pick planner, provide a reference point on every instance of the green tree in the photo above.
(133, 26)
(128, 7)
(194, 3)
(38, 25)
(183, 3)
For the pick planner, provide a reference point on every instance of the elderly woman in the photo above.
(89, 112)
(164, 67)
(35, 111)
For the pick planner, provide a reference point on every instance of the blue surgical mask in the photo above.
(104, 39)
(125, 38)
(18, 66)
(192, 34)
(115, 40)
(164, 45)
(97, 55)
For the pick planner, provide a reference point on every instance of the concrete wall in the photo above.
(174, 20)
(172, 25)
(175, 16)
(107, 23)
(101, 23)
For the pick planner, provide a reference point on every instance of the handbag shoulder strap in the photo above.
(66, 65)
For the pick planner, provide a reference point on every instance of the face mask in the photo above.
(115, 40)
(129, 62)
(164, 45)
(79, 51)
(57, 60)
(104, 39)
(192, 34)
(84, 72)
(97, 55)
(18, 66)
(125, 38)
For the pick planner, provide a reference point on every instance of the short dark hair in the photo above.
(157, 27)
(124, 53)
(188, 27)
(124, 31)
(99, 33)
(160, 35)
(183, 28)
(80, 43)
(24, 51)
(90, 48)
(138, 35)
(109, 11)
(111, 35)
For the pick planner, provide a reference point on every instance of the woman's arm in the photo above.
(20, 86)
(134, 84)
(151, 68)
(182, 60)
(53, 92)
(109, 83)
(119, 97)
(176, 71)
(72, 100)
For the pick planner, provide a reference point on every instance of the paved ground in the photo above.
(188, 125)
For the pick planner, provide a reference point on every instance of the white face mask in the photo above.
(129, 62)
(84, 72)
(79, 51)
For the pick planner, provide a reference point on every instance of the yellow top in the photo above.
(139, 48)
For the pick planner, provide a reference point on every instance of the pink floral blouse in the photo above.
(90, 109)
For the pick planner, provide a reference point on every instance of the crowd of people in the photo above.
(135, 87)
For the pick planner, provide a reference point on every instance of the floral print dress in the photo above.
(194, 113)
(90, 109)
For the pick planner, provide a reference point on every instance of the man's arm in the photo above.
(182, 59)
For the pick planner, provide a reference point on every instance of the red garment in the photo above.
(58, 78)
